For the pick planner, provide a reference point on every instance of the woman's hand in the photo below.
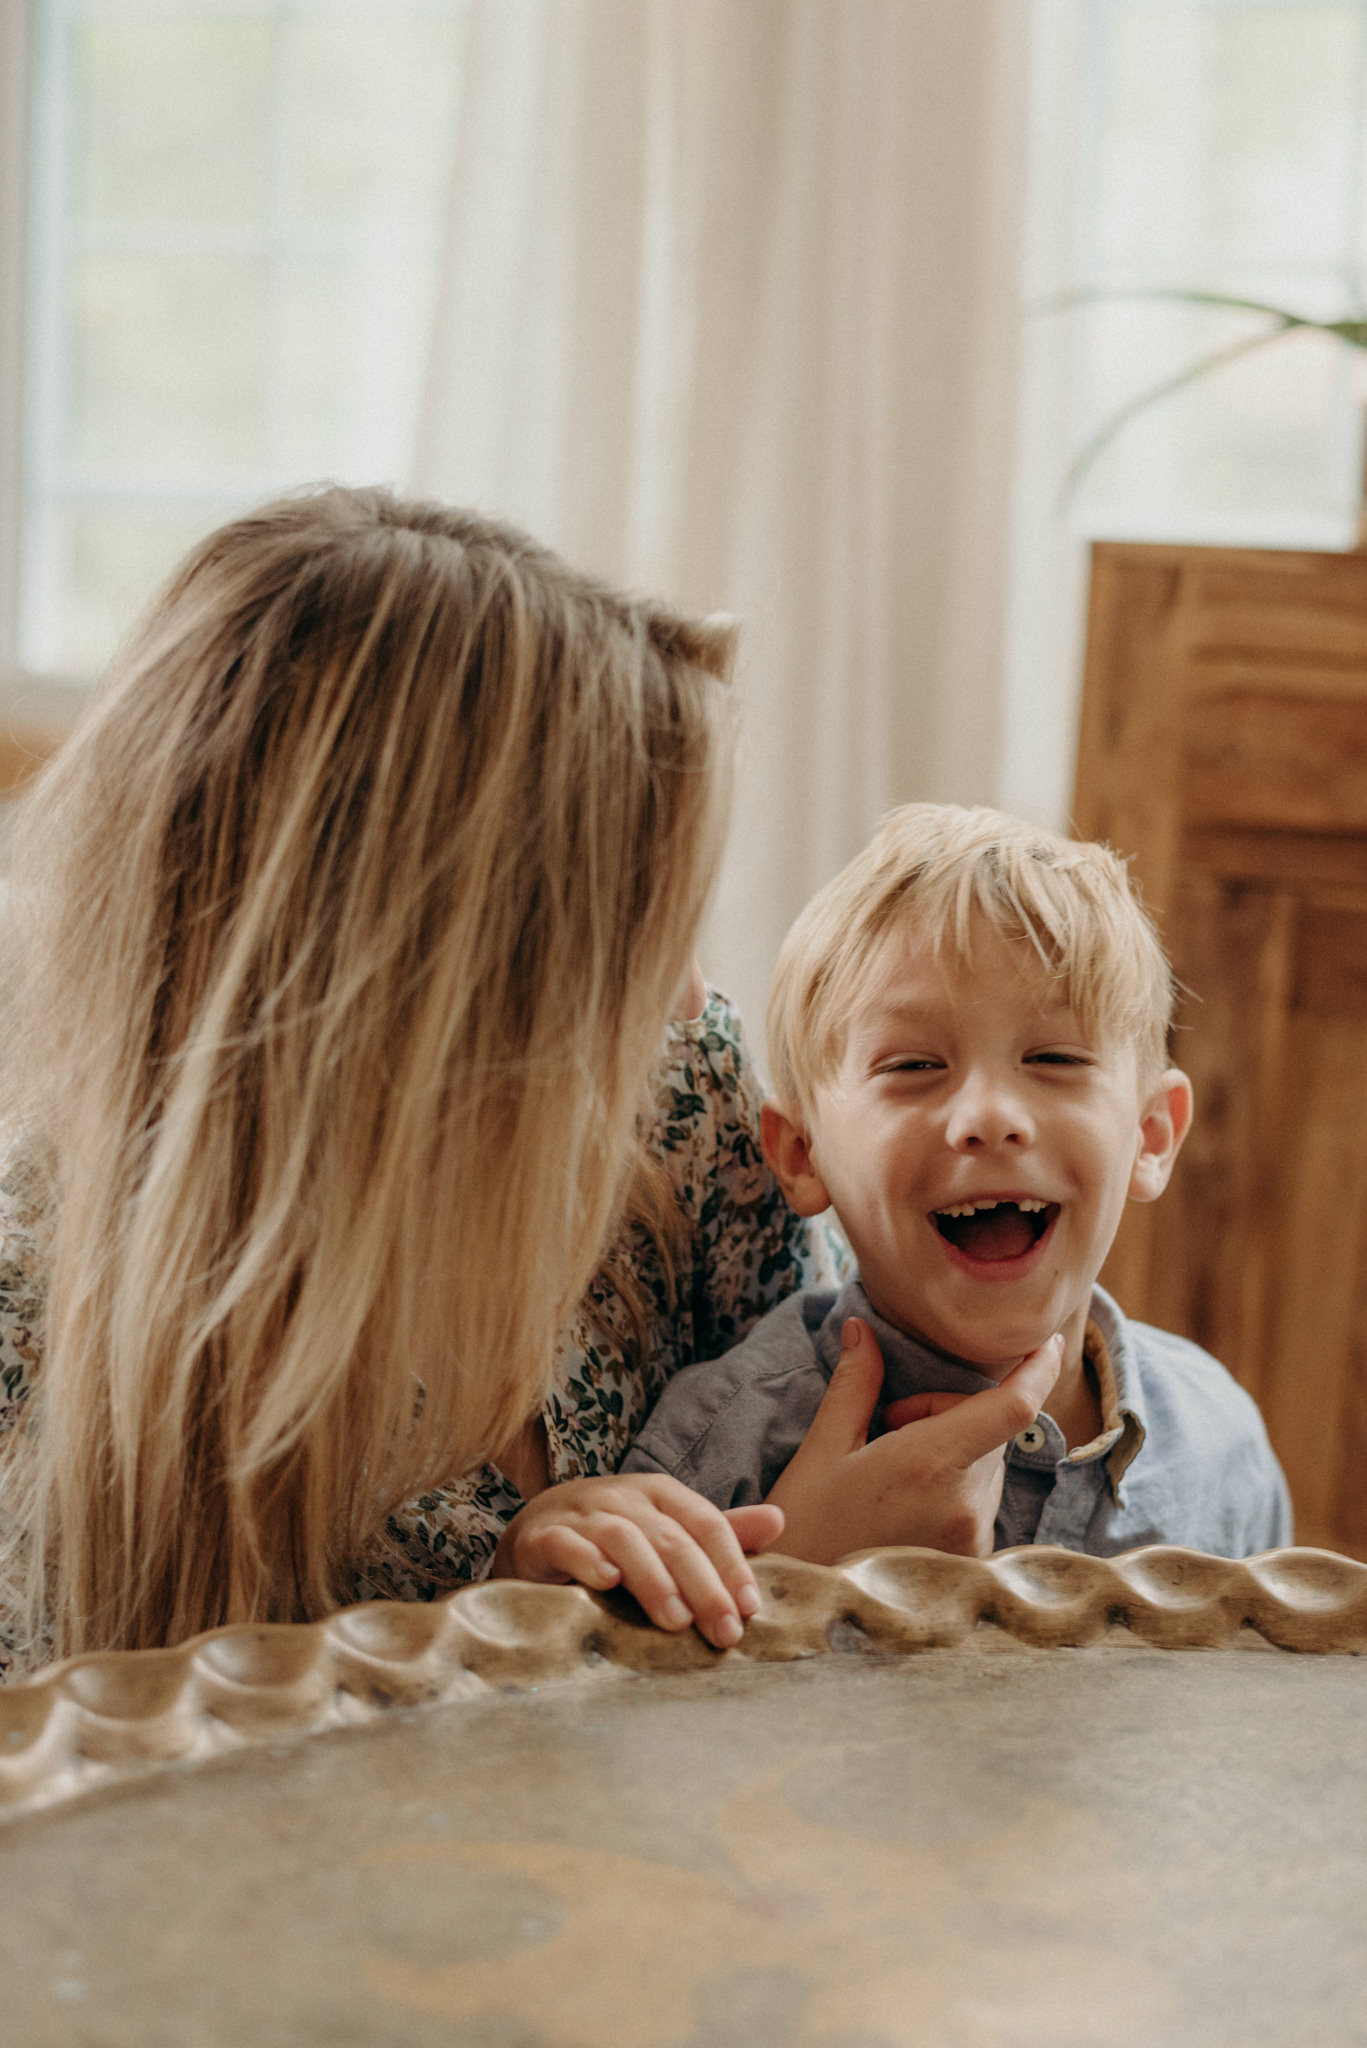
(683, 1559)
(934, 1479)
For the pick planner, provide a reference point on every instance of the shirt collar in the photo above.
(1106, 1323)
(911, 1367)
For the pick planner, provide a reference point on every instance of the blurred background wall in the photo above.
(743, 300)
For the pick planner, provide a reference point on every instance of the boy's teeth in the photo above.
(1030, 1208)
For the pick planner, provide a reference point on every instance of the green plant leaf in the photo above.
(1354, 332)
(1351, 331)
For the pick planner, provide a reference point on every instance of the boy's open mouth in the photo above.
(991, 1231)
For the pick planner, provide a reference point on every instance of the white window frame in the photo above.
(26, 700)
(15, 46)
(36, 472)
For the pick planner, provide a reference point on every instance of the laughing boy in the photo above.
(968, 1032)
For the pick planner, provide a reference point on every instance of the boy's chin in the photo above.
(993, 1354)
(993, 1349)
(995, 1344)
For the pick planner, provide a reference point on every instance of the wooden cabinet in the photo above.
(1224, 747)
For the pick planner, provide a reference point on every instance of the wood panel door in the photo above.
(1224, 747)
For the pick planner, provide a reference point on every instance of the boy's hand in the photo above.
(935, 1479)
(683, 1559)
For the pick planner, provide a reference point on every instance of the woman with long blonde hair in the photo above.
(345, 930)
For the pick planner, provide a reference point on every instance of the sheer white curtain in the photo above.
(729, 309)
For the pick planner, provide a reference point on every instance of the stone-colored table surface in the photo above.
(984, 1845)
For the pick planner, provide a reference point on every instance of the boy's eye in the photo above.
(1057, 1059)
(913, 1066)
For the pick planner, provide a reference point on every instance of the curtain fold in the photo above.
(729, 310)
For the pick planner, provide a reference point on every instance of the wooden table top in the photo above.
(606, 1838)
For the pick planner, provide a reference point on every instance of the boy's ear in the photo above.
(1163, 1123)
(788, 1150)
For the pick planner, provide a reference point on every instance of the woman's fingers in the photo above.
(983, 1423)
(1030, 1383)
(699, 1549)
(841, 1423)
(916, 1407)
(643, 1572)
(708, 1576)
(933, 1477)
(1033, 1379)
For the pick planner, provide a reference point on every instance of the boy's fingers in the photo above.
(666, 1570)
(841, 1423)
(916, 1407)
(701, 1578)
(645, 1575)
(693, 1524)
(756, 1527)
(561, 1553)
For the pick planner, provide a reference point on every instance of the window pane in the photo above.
(172, 118)
(348, 361)
(366, 100)
(168, 361)
(1146, 118)
(106, 560)
(1225, 135)
(1227, 155)
(237, 221)
(1283, 122)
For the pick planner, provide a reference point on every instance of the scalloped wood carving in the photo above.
(91, 1720)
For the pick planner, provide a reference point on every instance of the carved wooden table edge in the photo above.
(96, 1719)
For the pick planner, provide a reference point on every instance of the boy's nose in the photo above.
(986, 1114)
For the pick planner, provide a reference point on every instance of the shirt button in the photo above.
(1031, 1439)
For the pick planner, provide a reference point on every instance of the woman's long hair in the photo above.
(346, 927)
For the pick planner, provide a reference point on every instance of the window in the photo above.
(1223, 147)
(1216, 145)
(234, 213)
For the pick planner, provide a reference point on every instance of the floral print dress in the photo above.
(749, 1250)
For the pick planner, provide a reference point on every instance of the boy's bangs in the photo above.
(1075, 908)
(941, 876)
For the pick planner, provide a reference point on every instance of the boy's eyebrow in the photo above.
(880, 1007)
(882, 1013)
(879, 1011)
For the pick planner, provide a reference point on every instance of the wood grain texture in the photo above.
(1224, 749)
(1275, 760)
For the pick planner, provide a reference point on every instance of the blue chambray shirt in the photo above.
(1183, 1456)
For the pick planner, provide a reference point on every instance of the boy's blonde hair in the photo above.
(347, 927)
(932, 872)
